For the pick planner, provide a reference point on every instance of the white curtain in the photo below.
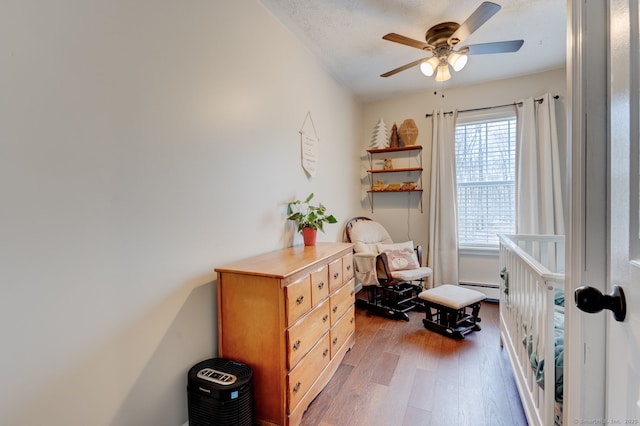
(538, 180)
(443, 208)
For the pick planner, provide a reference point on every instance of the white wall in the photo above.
(400, 213)
(143, 144)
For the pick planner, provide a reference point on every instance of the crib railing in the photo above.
(533, 268)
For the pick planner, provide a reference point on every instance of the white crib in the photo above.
(532, 320)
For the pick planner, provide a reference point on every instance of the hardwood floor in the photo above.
(399, 373)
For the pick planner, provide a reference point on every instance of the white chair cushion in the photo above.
(368, 232)
(452, 296)
(412, 274)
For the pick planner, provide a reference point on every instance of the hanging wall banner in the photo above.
(309, 145)
(309, 154)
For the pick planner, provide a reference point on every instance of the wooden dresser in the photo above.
(289, 315)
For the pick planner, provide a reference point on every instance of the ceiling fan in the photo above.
(442, 40)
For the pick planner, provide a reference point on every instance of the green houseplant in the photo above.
(310, 218)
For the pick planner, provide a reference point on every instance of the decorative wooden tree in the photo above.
(380, 136)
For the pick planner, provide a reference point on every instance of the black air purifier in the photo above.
(220, 393)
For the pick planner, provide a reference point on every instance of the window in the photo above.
(485, 172)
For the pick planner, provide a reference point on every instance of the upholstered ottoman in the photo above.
(452, 310)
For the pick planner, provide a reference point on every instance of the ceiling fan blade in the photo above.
(497, 47)
(402, 68)
(408, 41)
(481, 15)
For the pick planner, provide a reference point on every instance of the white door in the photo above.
(587, 230)
(602, 361)
(623, 338)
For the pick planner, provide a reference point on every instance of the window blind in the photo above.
(485, 172)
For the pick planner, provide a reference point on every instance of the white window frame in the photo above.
(494, 114)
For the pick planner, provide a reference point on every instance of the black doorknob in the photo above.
(591, 300)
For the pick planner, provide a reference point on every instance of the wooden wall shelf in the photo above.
(415, 150)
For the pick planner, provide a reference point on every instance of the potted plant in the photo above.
(310, 218)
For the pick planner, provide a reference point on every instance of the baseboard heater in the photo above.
(495, 287)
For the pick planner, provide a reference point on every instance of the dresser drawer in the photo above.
(347, 267)
(297, 299)
(341, 331)
(335, 275)
(319, 285)
(306, 372)
(341, 300)
(304, 334)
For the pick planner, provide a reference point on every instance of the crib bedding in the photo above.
(538, 364)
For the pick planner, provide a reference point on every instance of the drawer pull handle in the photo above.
(352, 320)
(335, 309)
(296, 388)
(336, 275)
(299, 300)
(352, 293)
(325, 353)
(348, 267)
(335, 341)
(325, 318)
(296, 345)
(321, 285)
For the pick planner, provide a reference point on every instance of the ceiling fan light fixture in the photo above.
(457, 60)
(443, 41)
(443, 73)
(429, 66)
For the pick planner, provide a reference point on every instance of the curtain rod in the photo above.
(493, 107)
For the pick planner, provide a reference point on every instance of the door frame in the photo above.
(587, 233)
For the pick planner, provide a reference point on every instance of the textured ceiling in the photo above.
(346, 35)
